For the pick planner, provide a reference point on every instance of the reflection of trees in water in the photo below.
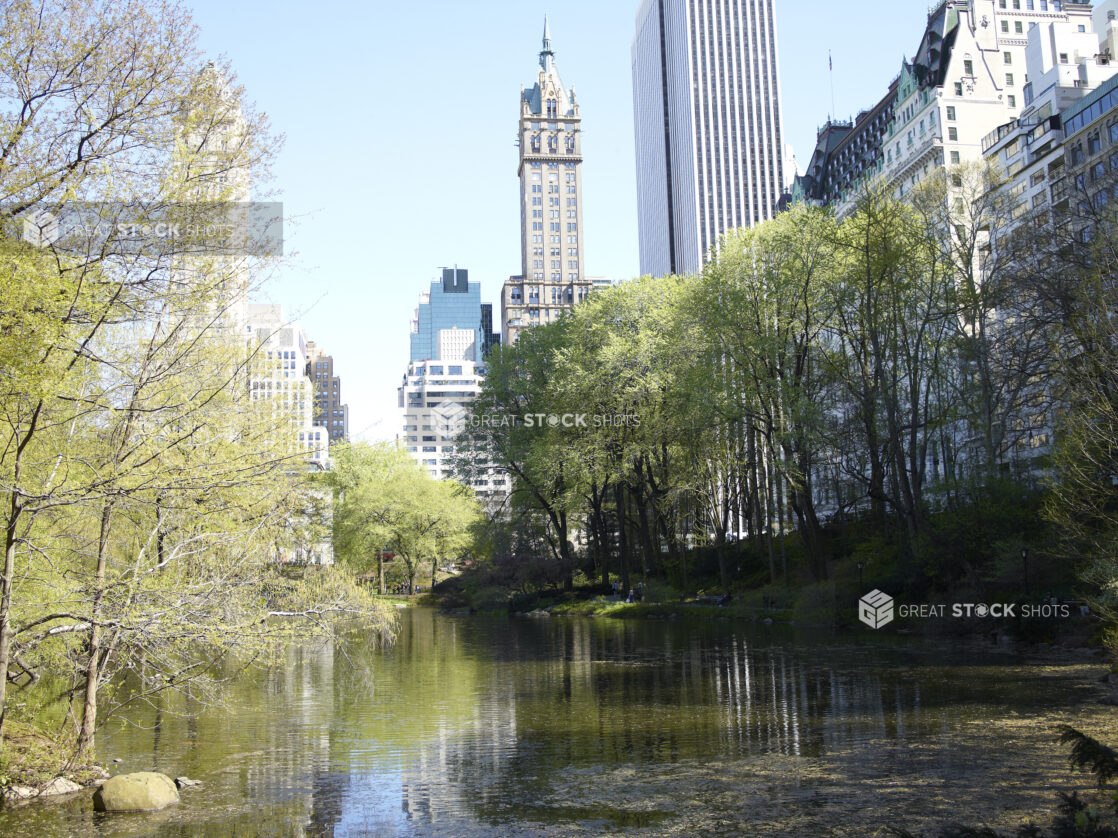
(567, 696)
(494, 720)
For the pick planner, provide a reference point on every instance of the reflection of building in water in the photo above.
(443, 781)
(578, 698)
(299, 748)
(585, 698)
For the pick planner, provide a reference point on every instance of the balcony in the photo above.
(915, 155)
(998, 134)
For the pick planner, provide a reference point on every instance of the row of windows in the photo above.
(1030, 5)
(1096, 110)
(553, 202)
(553, 145)
(552, 214)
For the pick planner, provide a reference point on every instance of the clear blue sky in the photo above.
(400, 120)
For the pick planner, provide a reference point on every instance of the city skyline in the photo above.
(366, 111)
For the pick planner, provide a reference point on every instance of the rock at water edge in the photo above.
(143, 791)
(60, 785)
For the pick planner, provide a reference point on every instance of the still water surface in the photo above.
(511, 726)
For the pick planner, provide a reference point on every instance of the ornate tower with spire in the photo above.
(552, 276)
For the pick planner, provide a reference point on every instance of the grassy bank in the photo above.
(32, 758)
(996, 548)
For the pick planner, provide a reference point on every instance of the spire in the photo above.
(546, 54)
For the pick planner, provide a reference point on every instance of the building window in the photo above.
(953, 134)
(1007, 57)
(1018, 27)
(955, 157)
(1063, 58)
(951, 113)
(1009, 79)
(1005, 26)
(958, 88)
(1011, 100)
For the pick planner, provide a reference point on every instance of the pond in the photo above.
(499, 726)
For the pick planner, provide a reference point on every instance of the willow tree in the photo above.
(142, 487)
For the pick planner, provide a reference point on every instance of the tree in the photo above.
(512, 425)
(143, 487)
(767, 305)
(385, 499)
(1084, 500)
(895, 316)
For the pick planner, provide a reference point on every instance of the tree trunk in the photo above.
(15, 513)
(93, 666)
(622, 537)
(723, 573)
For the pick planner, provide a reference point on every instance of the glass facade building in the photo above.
(453, 305)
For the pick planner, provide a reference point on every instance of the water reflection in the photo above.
(495, 726)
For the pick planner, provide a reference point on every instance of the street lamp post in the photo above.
(1025, 567)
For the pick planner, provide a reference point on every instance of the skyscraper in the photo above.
(449, 337)
(550, 169)
(706, 107)
(279, 375)
(447, 321)
(329, 410)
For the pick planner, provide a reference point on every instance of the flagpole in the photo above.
(831, 73)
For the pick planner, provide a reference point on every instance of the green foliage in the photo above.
(385, 501)
(145, 493)
(1090, 755)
